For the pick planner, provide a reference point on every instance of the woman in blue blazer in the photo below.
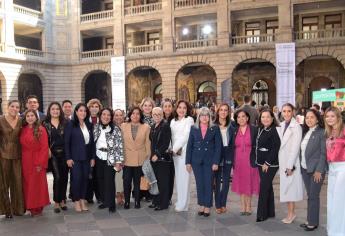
(222, 176)
(203, 156)
(80, 152)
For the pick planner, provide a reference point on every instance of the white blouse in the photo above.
(304, 144)
(224, 136)
(102, 143)
(86, 134)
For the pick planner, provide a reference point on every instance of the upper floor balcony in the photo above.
(322, 34)
(144, 37)
(323, 21)
(198, 31)
(254, 26)
(97, 43)
(180, 4)
(96, 12)
(140, 7)
(97, 16)
(27, 15)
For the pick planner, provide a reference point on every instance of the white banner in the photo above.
(118, 82)
(285, 72)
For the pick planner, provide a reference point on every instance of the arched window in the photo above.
(260, 92)
(30, 84)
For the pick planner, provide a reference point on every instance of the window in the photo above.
(260, 92)
(108, 6)
(109, 43)
(253, 31)
(310, 26)
(332, 25)
(271, 29)
(153, 38)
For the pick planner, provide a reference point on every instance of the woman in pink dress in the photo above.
(34, 141)
(246, 178)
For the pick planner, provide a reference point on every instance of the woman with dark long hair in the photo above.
(313, 165)
(109, 156)
(291, 184)
(55, 124)
(34, 141)
(137, 148)
(12, 202)
(180, 128)
(266, 159)
(222, 175)
(79, 153)
(245, 181)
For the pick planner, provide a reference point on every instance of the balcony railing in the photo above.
(98, 53)
(142, 9)
(95, 16)
(320, 34)
(196, 44)
(144, 48)
(29, 52)
(27, 11)
(253, 39)
(193, 3)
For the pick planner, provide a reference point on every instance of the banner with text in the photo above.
(285, 73)
(118, 82)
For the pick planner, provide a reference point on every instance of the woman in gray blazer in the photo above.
(313, 165)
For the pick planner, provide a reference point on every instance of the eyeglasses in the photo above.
(157, 115)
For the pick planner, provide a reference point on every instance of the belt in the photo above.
(103, 149)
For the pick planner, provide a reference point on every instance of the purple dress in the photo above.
(245, 179)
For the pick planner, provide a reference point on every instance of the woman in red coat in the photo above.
(34, 141)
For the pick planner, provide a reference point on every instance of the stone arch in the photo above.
(313, 67)
(33, 87)
(331, 51)
(97, 84)
(247, 73)
(141, 82)
(196, 59)
(131, 66)
(255, 55)
(189, 78)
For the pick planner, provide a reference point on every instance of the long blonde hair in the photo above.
(338, 127)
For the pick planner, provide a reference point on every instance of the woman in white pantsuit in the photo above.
(180, 128)
(291, 185)
(335, 145)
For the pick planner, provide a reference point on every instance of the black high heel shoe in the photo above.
(8, 216)
(126, 205)
(310, 228)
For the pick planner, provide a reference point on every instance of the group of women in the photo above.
(175, 146)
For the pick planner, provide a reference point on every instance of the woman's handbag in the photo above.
(144, 184)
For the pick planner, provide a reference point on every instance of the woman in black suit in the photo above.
(160, 136)
(79, 153)
(267, 149)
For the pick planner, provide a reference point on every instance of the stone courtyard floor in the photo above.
(146, 221)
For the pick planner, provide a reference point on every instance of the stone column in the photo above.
(7, 34)
(75, 37)
(119, 33)
(168, 25)
(285, 16)
(223, 23)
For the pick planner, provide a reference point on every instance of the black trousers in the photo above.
(60, 174)
(106, 182)
(162, 172)
(80, 172)
(313, 191)
(266, 195)
(92, 186)
(172, 179)
(131, 174)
